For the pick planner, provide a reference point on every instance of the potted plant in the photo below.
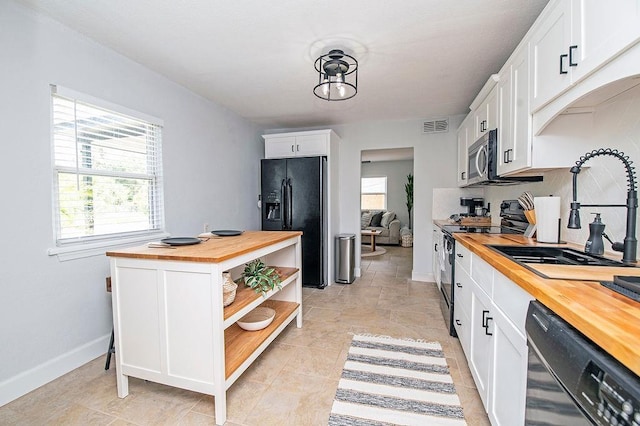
(408, 188)
(260, 277)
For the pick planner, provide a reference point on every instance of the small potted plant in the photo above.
(260, 277)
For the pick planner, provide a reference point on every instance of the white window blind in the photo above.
(107, 172)
(374, 193)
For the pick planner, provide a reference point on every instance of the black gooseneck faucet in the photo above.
(629, 247)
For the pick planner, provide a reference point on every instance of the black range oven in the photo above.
(513, 221)
(446, 280)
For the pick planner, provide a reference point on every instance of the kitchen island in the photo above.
(169, 322)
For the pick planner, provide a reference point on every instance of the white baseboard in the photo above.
(428, 277)
(25, 382)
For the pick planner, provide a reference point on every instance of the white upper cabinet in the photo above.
(550, 54)
(514, 118)
(600, 30)
(575, 38)
(463, 141)
(301, 144)
(486, 115)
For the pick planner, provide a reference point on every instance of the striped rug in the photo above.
(388, 381)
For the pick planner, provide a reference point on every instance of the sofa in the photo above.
(384, 221)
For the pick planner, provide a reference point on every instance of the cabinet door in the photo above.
(492, 111)
(480, 122)
(280, 147)
(462, 324)
(515, 147)
(508, 375)
(601, 29)
(311, 145)
(437, 254)
(550, 59)
(505, 121)
(463, 134)
(482, 327)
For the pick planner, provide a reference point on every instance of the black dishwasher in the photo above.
(571, 381)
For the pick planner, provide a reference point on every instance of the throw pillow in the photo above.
(387, 218)
(365, 220)
(376, 219)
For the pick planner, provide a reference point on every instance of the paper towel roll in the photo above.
(547, 219)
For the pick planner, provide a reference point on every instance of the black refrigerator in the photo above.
(294, 199)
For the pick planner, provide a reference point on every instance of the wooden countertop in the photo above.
(216, 249)
(611, 320)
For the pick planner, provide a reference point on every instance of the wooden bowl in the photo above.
(257, 319)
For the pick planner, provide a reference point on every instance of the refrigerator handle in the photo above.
(283, 191)
(289, 205)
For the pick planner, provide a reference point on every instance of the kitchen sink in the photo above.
(553, 256)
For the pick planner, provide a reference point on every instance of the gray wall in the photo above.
(56, 315)
(396, 173)
(434, 157)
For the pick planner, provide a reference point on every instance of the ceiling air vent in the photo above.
(436, 126)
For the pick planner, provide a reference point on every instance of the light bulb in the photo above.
(341, 90)
(325, 85)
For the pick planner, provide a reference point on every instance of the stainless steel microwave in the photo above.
(482, 163)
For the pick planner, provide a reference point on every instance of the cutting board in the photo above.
(584, 273)
(475, 221)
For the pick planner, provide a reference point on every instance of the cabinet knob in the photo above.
(459, 255)
(458, 285)
(458, 322)
(462, 175)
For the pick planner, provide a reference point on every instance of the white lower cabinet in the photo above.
(481, 342)
(507, 396)
(438, 251)
(489, 314)
(462, 309)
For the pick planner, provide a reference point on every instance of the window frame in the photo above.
(90, 245)
(384, 194)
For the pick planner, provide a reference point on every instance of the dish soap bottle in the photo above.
(594, 244)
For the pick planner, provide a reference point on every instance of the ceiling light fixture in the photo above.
(337, 76)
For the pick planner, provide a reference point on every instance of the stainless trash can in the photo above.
(345, 263)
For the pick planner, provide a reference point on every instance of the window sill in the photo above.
(79, 251)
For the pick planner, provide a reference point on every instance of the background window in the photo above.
(374, 193)
(107, 173)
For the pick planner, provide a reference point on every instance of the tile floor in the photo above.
(294, 380)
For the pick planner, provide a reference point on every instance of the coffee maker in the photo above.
(475, 206)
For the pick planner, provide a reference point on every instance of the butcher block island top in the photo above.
(170, 324)
(611, 320)
(215, 249)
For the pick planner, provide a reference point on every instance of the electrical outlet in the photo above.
(206, 227)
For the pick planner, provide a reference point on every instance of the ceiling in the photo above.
(418, 59)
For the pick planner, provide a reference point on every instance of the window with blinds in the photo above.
(373, 193)
(107, 172)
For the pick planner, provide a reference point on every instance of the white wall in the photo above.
(396, 173)
(55, 316)
(615, 124)
(434, 157)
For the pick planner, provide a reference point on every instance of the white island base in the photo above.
(169, 322)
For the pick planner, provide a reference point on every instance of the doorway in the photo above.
(384, 177)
